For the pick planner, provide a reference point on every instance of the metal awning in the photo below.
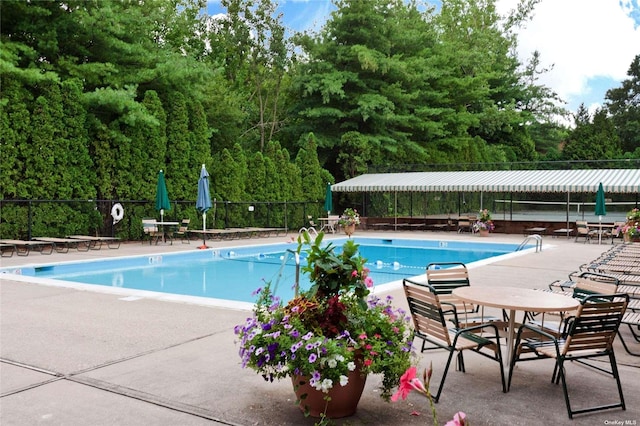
(567, 181)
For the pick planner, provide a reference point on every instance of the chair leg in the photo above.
(616, 375)
(555, 377)
(624, 344)
(514, 358)
(444, 375)
(560, 369)
(460, 362)
(498, 358)
(613, 372)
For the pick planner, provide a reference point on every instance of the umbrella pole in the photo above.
(204, 228)
(599, 229)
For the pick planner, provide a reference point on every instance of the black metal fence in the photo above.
(25, 219)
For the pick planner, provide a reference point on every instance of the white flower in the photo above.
(326, 385)
(344, 380)
(332, 363)
(351, 366)
(406, 334)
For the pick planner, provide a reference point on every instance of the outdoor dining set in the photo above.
(571, 321)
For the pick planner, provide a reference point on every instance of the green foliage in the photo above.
(592, 139)
(624, 108)
(98, 96)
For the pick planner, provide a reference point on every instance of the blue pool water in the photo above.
(235, 273)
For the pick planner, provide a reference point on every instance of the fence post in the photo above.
(29, 225)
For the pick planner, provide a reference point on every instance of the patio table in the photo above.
(162, 225)
(328, 223)
(602, 228)
(516, 299)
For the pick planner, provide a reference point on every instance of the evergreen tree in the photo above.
(623, 104)
(592, 139)
(178, 148)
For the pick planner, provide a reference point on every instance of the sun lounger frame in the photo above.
(95, 243)
(24, 247)
(62, 245)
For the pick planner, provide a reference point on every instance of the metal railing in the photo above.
(25, 219)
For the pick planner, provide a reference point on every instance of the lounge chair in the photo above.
(24, 247)
(590, 334)
(95, 243)
(441, 226)
(430, 326)
(631, 319)
(7, 250)
(62, 245)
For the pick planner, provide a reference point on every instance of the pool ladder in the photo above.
(536, 237)
(296, 256)
(310, 230)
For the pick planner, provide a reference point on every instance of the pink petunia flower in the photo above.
(459, 419)
(408, 382)
(368, 282)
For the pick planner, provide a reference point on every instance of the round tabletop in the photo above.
(519, 299)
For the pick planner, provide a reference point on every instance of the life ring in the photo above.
(117, 212)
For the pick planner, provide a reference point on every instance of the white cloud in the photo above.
(584, 40)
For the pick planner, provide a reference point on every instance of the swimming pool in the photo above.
(234, 273)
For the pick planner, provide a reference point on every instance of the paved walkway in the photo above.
(73, 357)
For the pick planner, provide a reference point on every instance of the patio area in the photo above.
(74, 357)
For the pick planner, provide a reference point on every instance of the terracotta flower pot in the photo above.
(350, 229)
(484, 232)
(344, 399)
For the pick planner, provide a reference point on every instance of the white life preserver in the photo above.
(117, 212)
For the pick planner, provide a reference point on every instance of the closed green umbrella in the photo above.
(203, 202)
(162, 196)
(328, 200)
(601, 209)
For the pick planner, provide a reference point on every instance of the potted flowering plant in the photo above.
(330, 336)
(631, 229)
(349, 220)
(484, 224)
(633, 215)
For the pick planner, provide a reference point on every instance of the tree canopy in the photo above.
(98, 96)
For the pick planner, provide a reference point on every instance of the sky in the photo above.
(589, 43)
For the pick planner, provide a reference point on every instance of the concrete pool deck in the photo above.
(75, 357)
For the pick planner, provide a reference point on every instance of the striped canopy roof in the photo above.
(613, 180)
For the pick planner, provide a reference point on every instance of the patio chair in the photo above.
(183, 231)
(465, 225)
(444, 277)
(312, 226)
(579, 287)
(582, 231)
(430, 325)
(151, 231)
(589, 334)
